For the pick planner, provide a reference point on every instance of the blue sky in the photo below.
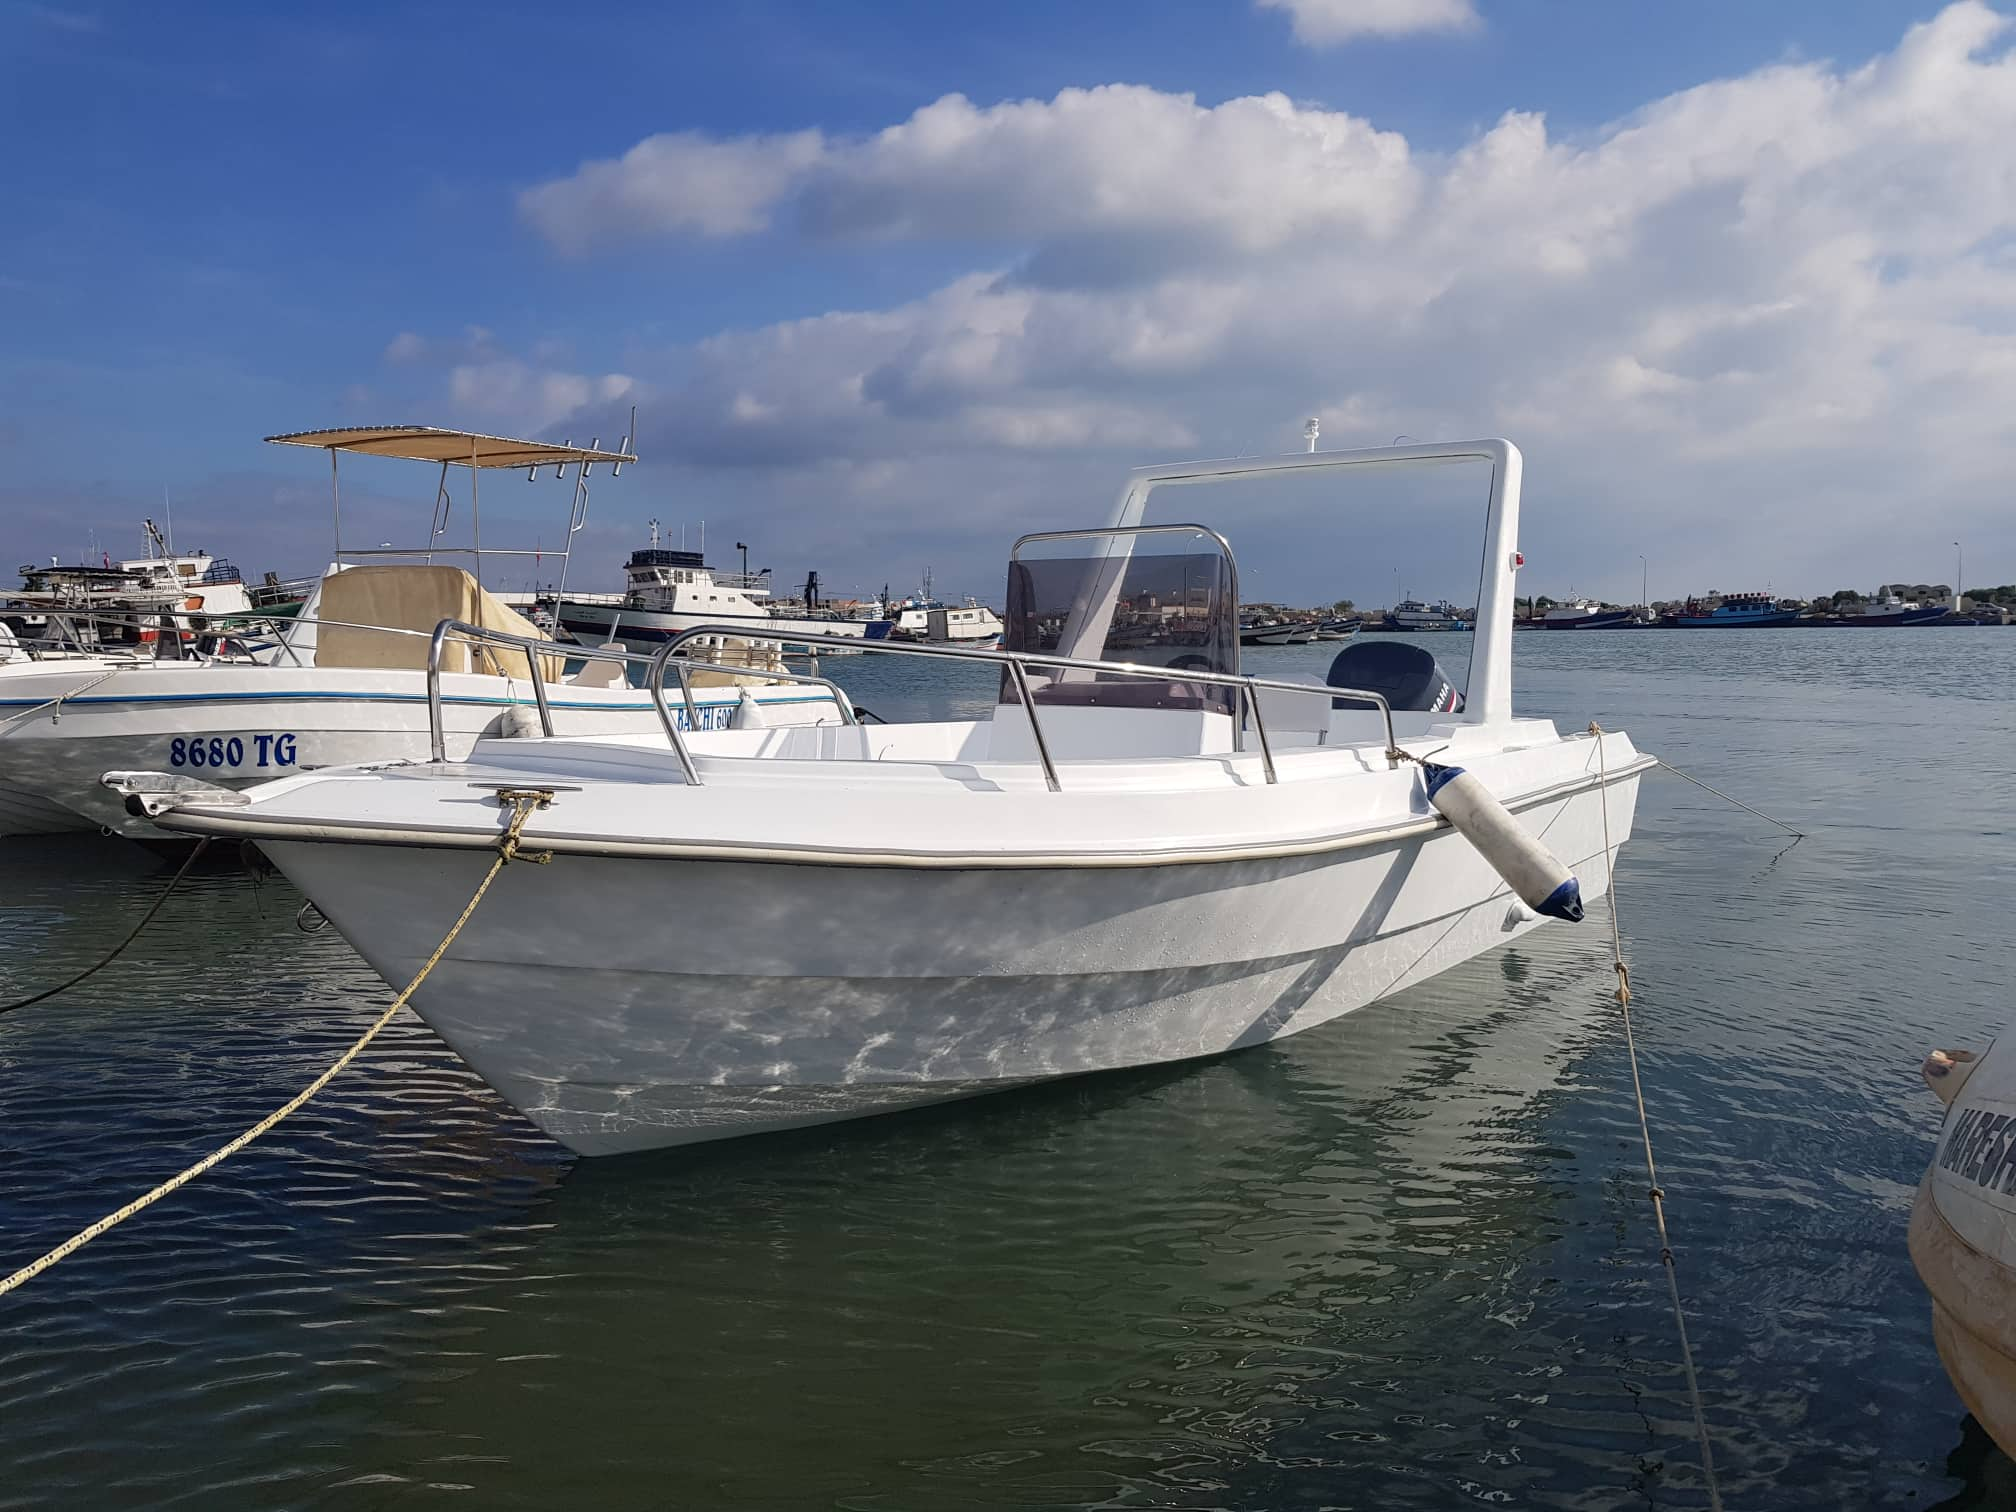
(231, 220)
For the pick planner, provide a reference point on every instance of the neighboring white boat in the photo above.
(1129, 861)
(667, 592)
(1963, 1231)
(343, 682)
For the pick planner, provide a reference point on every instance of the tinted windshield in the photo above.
(1156, 600)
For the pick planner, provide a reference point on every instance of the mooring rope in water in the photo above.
(1653, 1190)
(173, 882)
(523, 804)
(1801, 834)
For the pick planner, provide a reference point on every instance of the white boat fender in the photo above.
(520, 723)
(1528, 867)
(1946, 1072)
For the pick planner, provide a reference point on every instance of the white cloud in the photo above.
(1326, 23)
(507, 390)
(1766, 321)
(676, 182)
(1120, 161)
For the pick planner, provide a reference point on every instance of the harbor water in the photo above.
(1405, 1259)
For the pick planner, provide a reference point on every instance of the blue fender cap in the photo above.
(1565, 902)
(1436, 775)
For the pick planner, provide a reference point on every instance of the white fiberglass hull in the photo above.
(627, 1003)
(236, 725)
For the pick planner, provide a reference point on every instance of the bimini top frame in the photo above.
(1489, 697)
(475, 451)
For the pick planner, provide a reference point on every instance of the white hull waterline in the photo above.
(1154, 858)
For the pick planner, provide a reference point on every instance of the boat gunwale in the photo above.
(315, 831)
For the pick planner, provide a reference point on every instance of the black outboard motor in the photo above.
(1408, 676)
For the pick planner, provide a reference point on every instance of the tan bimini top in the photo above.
(427, 443)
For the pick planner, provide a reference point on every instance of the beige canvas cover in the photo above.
(418, 598)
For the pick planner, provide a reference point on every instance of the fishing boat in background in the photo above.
(1895, 612)
(1411, 616)
(667, 592)
(1338, 629)
(1737, 611)
(151, 605)
(1172, 857)
(1585, 614)
(345, 679)
(1269, 633)
(925, 617)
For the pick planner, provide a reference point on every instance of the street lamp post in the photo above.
(1644, 581)
(1959, 577)
(743, 547)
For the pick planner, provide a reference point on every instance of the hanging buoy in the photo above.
(520, 723)
(1528, 867)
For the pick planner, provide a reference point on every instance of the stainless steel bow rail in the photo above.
(1246, 688)
(1018, 664)
(461, 632)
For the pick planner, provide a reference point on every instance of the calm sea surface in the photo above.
(1401, 1260)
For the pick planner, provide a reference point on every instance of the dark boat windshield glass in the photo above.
(1163, 600)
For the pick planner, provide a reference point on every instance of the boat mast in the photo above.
(336, 506)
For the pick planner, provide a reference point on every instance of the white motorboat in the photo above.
(345, 680)
(1140, 855)
(667, 592)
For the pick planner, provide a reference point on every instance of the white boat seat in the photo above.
(601, 674)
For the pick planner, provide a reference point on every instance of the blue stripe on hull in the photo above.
(699, 696)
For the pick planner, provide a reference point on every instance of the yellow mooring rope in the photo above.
(1654, 1190)
(523, 804)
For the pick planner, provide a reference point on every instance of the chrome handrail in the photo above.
(536, 649)
(1018, 663)
(687, 667)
